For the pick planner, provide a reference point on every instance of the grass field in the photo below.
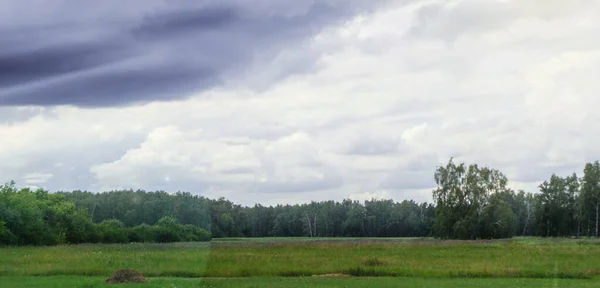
(300, 282)
(403, 262)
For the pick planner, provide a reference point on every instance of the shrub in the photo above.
(6, 237)
(141, 233)
(112, 231)
(168, 222)
(80, 228)
(193, 233)
(165, 235)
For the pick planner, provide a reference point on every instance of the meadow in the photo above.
(313, 262)
(299, 282)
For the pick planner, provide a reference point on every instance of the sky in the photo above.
(273, 101)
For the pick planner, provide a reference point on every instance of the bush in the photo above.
(168, 222)
(112, 231)
(6, 237)
(166, 235)
(141, 233)
(193, 233)
(81, 229)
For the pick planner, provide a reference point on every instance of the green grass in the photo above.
(425, 258)
(177, 259)
(409, 258)
(92, 282)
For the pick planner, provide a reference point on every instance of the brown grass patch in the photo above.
(126, 276)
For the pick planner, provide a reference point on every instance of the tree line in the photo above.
(224, 218)
(37, 217)
(470, 202)
(473, 202)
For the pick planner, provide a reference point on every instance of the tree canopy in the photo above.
(469, 203)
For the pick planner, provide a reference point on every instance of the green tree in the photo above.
(556, 213)
(463, 202)
(353, 226)
(499, 220)
(112, 231)
(590, 187)
(226, 224)
(6, 237)
(281, 225)
(168, 222)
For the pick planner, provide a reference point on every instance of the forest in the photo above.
(469, 202)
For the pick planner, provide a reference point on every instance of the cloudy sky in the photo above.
(280, 101)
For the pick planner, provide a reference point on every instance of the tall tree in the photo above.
(556, 213)
(590, 190)
(464, 209)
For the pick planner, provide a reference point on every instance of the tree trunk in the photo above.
(597, 206)
(579, 219)
(526, 220)
(588, 227)
(315, 225)
(310, 230)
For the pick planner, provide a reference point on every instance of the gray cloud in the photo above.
(538, 173)
(143, 54)
(295, 187)
(372, 148)
(408, 180)
(70, 170)
(506, 85)
(13, 115)
(181, 22)
(448, 22)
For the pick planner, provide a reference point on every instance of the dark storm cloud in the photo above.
(23, 66)
(111, 54)
(184, 21)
